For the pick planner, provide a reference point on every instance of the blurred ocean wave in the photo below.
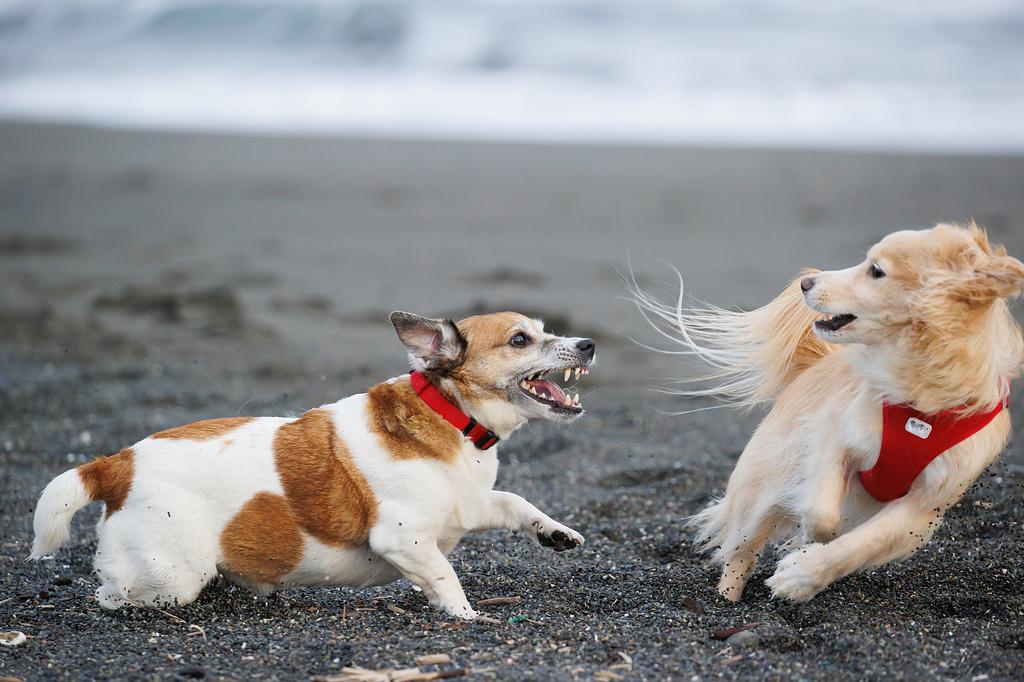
(900, 74)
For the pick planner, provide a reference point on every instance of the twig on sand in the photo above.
(495, 601)
(487, 619)
(193, 628)
(171, 615)
(430, 667)
(395, 609)
(610, 674)
(726, 633)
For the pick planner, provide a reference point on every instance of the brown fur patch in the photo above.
(262, 541)
(205, 429)
(328, 495)
(488, 353)
(407, 426)
(109, 478)
(484, 333)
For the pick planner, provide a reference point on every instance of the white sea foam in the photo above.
(898, 74)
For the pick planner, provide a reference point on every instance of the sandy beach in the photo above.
(152, 279)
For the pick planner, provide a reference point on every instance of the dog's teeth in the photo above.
(567, 402)
(533, 390)
(576, 399)
(578, 370)
(567, 373)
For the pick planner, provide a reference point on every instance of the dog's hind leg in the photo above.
(742, 548)
(128, 580)
(153, 557)
(738, 525)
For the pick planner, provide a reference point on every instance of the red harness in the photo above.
(911, 440)
(481, 436)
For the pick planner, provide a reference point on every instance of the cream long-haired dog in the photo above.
(920, 327)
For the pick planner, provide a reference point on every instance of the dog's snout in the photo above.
(807, 283)
(587, 347)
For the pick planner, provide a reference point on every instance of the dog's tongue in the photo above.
(547, 390)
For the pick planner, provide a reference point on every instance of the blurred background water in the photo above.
(944, 75)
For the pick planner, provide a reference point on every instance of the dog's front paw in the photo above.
(557, 536)
(460, 610)
(801, 574)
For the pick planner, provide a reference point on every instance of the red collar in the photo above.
(482, 437)
(912, 439)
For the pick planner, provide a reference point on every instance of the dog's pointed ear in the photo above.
(433, 344)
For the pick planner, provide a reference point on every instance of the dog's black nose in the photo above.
(807, 283)
(587, 347)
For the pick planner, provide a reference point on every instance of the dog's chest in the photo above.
(860, 431)
(479, 468)
(472, 481)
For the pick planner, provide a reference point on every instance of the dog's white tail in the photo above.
(753, 355)
(105, 478)
(59, 501)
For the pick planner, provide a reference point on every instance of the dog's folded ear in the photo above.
(433, 344)
(994, 274)
(1004, 275)
(987, 279)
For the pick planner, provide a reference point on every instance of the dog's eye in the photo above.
(520, 339)
(876, 272)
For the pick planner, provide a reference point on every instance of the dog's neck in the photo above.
(935, 368)
(499, 416)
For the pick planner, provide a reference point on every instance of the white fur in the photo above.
(61, 499)
(163, 545)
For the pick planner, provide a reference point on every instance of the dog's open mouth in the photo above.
(835, 323)
(549, 393)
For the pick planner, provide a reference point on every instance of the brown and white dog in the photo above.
(922, 325)
(364, 491)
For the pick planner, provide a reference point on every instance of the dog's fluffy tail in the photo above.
(59, 501)
(752, 355)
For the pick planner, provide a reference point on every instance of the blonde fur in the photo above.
(752, 355)
(933, 330)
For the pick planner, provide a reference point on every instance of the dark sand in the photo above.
(149, 280)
